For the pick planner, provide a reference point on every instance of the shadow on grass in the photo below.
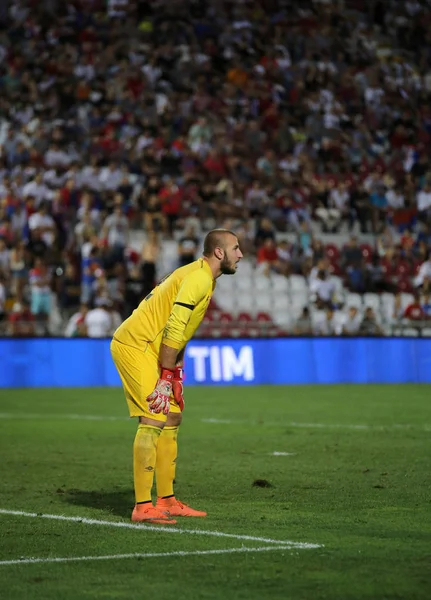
(119, 502)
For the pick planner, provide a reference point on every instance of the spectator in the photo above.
(322, 291)
(423, 278)
(414, 310)
(76, 325)
(326, 324)
(426, 305)
(351, 322)
(70, 290)
(40, 292)
(267, 257)
(423, 198)
(149, 256)
(98, 321)
(188, 246)
(379, 205)
(303, 325)
(2, 304)
(369, 326)
(21, 321)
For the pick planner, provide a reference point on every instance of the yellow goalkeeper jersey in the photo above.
(172, 312)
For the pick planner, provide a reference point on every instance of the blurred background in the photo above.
(128, 129)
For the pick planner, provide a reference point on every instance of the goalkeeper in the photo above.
(148, 350)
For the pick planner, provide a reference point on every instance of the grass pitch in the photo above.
(346, 468)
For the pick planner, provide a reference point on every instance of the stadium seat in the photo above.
(387, 304)
(263, 302)
(279, 283)
(263, 317)
(244, 284)
(225, 317)
(244, 317)
(406, 299)
(261, 283)
(354, 300)
(426, 332)
(298, 283)
(410, 332)
(373, 301)
(245, 302)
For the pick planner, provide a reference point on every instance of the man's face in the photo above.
(232, 256)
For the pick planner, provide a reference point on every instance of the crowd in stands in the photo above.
(289, 121)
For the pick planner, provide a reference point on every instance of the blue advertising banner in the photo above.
(86, 363)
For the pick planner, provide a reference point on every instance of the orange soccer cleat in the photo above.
(147, 513)
(174, 508)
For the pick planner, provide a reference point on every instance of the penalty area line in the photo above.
(30, 561)
(144, 527)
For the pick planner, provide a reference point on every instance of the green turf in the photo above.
(361, 493)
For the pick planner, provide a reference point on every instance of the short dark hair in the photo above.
(215, 238)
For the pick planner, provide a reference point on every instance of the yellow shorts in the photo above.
(139, 372)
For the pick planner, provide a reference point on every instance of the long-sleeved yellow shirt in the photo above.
(172, 312)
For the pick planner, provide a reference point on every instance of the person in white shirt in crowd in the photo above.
(91, 176)
(55, 157)
(327, 324)
(98, 321)
(351, 321)
(37, 188)
(423, 198)
(339, 198)
(423, 278)
(322, 265)
(43, 221)
(116, 230)
(322, 290)
(110, 177)
(395, 198)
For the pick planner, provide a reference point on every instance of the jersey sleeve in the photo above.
(192, 290)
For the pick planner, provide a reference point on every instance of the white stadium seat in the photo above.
(354, 300)
(373, 301)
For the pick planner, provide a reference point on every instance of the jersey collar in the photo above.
(207, 268)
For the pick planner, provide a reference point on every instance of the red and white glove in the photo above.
(159, 400)
(177, 387)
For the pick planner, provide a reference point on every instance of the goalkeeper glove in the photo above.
(159, 399)
(177, 387)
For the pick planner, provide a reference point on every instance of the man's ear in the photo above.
(218, 253)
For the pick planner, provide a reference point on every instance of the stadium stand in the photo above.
(129, 128)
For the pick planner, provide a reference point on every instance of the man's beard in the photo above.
(227, 268)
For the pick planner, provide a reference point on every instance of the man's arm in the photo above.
(180, 358)
(168, 357)
(192, 290)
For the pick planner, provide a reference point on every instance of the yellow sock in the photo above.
(144, 460)
(166, 461)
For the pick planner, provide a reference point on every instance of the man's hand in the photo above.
(159, 399)
(177, 387)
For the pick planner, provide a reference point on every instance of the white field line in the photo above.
(317, 425)
(71, 417)
(78, 417)
(283, 453)
(30, 561)
(142, 527)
